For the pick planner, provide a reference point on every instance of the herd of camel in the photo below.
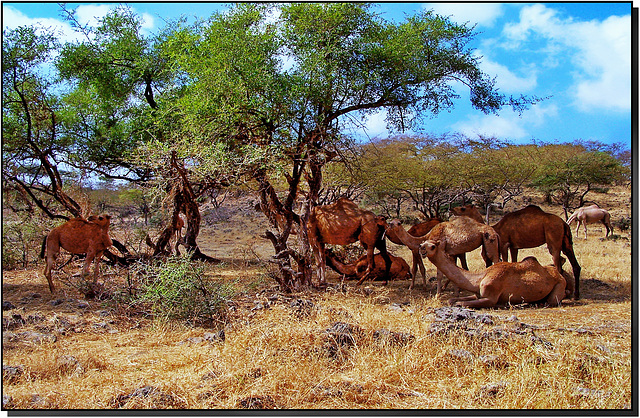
(442, 242)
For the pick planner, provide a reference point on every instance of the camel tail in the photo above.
(44, 246)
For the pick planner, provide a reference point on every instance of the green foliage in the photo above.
(178, 289)
(21, 242)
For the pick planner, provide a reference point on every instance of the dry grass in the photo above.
(278, 353)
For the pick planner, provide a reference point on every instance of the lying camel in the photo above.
(531, 227)
(502, 283)
(78, 236)
(590, 215)
(416, 230)
(468, 210)
(399, 267)
(343, 223)
(460, 235)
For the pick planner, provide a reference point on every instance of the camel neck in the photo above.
(399, 233)
(464, 279)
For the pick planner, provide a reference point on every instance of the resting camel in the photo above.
(468, 210)
(460, 235)
(416, 230)
(590, 215)
(502, 283)
(343, 223)
(78, 236)
(399, 268)
(531, 227)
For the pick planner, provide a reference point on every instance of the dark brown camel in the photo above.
(343, 223)
(399, 267)
(531, 227)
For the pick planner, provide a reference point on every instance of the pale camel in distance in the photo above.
(343, 223)
(459, 235)
(416, 230)
(531, 227)
(78, 236)
(399, 268)
(590, 215)
(500, 284)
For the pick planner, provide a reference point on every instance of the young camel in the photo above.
(459, 235)
(416, 230)
(500, 284)
(531, 227)
(468, 210)
(399, 268)
(343, 223)
(590, 215)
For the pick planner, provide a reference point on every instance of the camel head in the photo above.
(429, 248)
(102, 220)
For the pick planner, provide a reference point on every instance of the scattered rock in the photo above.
(393, 338)
(592, 393)
(302, 307)
(214, 337)
(12, 373)
(151, 395)
(257, 402)
(30, 337)
(457, 314)
(340, 337)
(56, 302)
(83, 304)
(492, 389)
(7, 401)
(7, 306)
(69, 365)
(461, 354)
(195, 340)
(13, 322)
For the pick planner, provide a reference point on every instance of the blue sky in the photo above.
(579, 54)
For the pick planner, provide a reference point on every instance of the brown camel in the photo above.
(502, 283)
(399, 267)
(531, 227)
(460, 235)
(590, 215)
(78, 236)
(343, 223)
(178, 233)
(416, 230)
(468, 210)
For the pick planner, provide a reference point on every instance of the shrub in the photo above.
(177, 289)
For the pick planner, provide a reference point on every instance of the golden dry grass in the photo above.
(278, 353)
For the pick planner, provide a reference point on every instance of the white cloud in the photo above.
(600, 52)
(484, 14)
(508, 124)
(508, 81)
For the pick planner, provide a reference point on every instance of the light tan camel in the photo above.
(343, 223)
(416, 230)
(399, 268)
(590, 215)
(502, 283)
(460, 235)
(531, 227)
(78, 236)
(468, 210)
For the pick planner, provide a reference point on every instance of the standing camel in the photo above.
(344, 223)
(416, 230)
(78, 236)
(502, 283)
(531, 227)
(590, 215)
(459, 235)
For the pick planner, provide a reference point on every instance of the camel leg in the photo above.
(370, 264)
(514, 254)
(414, 270)
(321, 261)
(423, 270)
(51, 258)
(96, 266)
(382, 246)
(556, 295)
(478, 303)
(453, 301)
(585, 229)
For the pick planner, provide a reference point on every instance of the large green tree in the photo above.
(286, 80)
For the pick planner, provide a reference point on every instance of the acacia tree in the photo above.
(285, 81)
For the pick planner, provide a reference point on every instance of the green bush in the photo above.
(176, 288)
